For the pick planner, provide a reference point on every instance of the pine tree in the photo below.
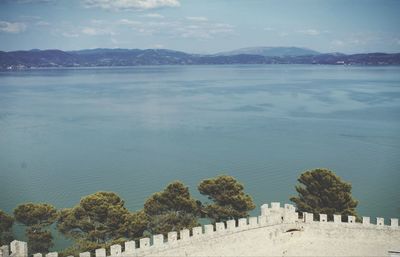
(171, 210)
(229, 199)
(322, 191)
(6, 223)
(37, 217)
(98, 220)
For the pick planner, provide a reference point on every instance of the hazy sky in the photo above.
(201, 26)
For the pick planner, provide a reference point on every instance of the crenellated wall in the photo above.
(278, 231)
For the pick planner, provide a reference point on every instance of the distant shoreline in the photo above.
(184, 65)
(21, 60)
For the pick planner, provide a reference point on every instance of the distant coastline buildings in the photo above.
(19, 60)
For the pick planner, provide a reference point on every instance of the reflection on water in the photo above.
(67, 133)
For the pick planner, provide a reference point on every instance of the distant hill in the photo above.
(272, 51)
(135, 57)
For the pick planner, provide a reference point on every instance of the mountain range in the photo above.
(133, 57)
(272, 51)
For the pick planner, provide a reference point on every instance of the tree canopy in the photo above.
(39, 240)
(135, 225)
(37, 217)
(6, 223)
(229, 199)
(322, 191)
(31, 214)
(99, 218)
(172, 209)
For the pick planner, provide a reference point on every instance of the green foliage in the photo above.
(31, 214)
(6, 223)
(99, 218)
(135, 225)
(82, 246)
(322, 191)
(37, 217)
(171, 210)
(39, 240)
(229, 200)
(171, 221)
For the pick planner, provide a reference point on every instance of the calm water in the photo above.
(68, 133)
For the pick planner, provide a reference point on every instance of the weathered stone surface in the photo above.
(277, 237)
(337, 218)
(231, 225)
(115, 250)
(172, 237)
(197, 231)
(208, 229)
(84, 254)
(158, 240)
(380, 221)
(242, 223)
(19, 249)
(253, 222)
(264, 210)
(308, 217)
(100, 252)
(275, 205)
(130, 247)
(184, 234)
(219, 226)
(4, 251)
(52, 254)
(144, 243)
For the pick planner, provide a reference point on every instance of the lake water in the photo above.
(66, 133)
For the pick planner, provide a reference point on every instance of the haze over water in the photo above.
(67, 133)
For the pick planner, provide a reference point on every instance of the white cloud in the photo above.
(29, 17)
(42, 23)
(197, 18)
(358, 41)
(91, 31)
(12, 27)
(150, 28)
(269, 29)
(131, 4)
(68, 34)
(205, 30)
(154, 15)
(338, 43)
(97, 22)
(310, 32)
(128, 22)
(171, 28)
(179, 28)
(114, 41)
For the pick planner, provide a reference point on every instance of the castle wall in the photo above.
(298, 239)
(278, 231)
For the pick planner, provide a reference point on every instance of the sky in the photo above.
(201, 26)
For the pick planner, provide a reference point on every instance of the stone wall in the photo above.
(278, 231)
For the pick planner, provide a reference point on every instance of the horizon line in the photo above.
(213, 53)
